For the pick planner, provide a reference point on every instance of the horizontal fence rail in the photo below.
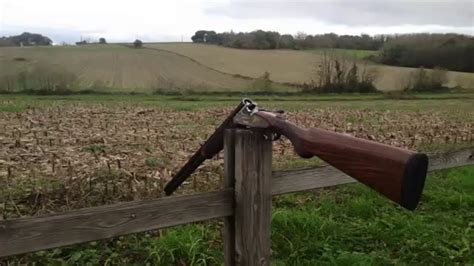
(24, 235)
(327, 176)
(30, 234)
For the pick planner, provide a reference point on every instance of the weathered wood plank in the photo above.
(304, 179)
(253, 198)
(229, 182)
(327, 176)
(451, 159)
(31, 234)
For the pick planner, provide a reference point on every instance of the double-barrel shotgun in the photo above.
(399, 174)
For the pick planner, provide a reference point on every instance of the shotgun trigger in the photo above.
(276, 136)
(269, 135)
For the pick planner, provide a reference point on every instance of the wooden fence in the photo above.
(245, 204)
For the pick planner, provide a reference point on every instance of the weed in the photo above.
(148, 148)
(151, 161)
(12, 108)
(95, 148)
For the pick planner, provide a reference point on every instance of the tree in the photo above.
(199, 36)
(137, 43)
(299, 40)
(432, 81)
(335, 75)
(352, 79)
(450, 51)
(102, 41)
(392, 55)
(26, 39)
(286, 42)
(207, 36)
(300, 36)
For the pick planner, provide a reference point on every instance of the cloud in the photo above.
(116, 20)
(450, 13)
(176, 20)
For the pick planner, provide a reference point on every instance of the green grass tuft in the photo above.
(95, 148)
(11, 108)
(151, 161)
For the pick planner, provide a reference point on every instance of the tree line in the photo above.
(449, 51)
(260, 39)
(102, 40)
(25, 39)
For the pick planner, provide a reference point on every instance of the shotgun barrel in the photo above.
(211, 147)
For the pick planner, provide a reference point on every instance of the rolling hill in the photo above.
(184, 66)
(290, 65)
(121, 68)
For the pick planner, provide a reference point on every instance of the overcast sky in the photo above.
(176, 20)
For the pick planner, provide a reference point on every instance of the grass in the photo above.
(449, 103)
(354, 225)
(350, 53)
(151, 161)
(11, 108)
(95, 148)
(348, 225)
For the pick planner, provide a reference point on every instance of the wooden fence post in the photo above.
(253, 198)
(229, 182)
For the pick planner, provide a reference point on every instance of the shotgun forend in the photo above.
(396, 173)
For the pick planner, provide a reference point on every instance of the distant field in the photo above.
(121, 68)
(292, 66)
(197, 67)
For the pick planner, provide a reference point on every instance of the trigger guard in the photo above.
(276, 136)
(269, 135)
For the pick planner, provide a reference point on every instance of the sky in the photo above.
(177, 20)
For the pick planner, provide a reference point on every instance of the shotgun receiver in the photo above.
(396, 173)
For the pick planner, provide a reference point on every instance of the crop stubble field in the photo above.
(63, 153)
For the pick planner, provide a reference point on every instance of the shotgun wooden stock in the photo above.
(397, 173)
